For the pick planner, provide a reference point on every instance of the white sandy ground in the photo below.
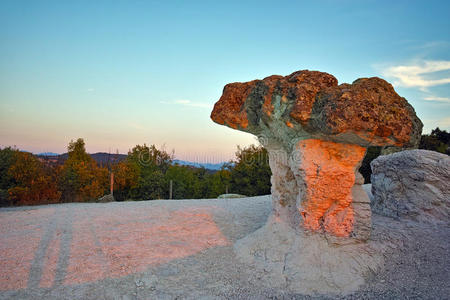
(105, 251)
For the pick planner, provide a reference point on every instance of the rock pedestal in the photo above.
(316, 133)
(318, 188)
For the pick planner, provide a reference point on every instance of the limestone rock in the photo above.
(230, 196)
(106, 198)
(305, 263)
(316, 133)
(413, 184)
(311, 104)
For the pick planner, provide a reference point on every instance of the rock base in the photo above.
(307, 263)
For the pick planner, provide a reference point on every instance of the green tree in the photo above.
(6, 180)
(197, 183)
(218, 182)
(185, 181)
(150, 166)
(250, 173)
(438, 140)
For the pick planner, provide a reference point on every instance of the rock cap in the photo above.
(310, 104)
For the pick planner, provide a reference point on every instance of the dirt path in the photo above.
(170, 249)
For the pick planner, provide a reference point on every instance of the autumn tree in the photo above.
(126, 177)
(34, 182)
(81, 179)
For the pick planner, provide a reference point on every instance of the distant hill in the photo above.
(208, 166)
(47, 154)
(102, 158)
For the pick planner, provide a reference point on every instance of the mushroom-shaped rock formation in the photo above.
(317, 133)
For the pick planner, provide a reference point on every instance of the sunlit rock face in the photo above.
(317, 133)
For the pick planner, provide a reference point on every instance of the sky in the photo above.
(122, 73)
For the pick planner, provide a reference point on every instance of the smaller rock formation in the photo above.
(230, 196)
(414, 184)
(106, 198)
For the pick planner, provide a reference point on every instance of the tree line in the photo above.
(144, 174)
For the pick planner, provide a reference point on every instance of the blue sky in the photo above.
(121, 73)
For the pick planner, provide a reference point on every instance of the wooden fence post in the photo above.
(112, 183)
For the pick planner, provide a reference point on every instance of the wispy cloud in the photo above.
(90, 90)
(421, 74)
(435, 98)
(184, 102)
(188, 103)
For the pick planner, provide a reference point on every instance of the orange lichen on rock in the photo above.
(308, 84)
(368, 111)
(329, 174)
(240, 99)
(231, 112)
(368, 105)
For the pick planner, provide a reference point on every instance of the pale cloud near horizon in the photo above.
(190, 103)
(417, 75)
(430, 124)
(435, 98)
(445, 122)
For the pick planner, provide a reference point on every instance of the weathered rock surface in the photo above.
(316, 133)
(230, 196)
(414, 184)
(305, 262)
(106, 198)
(311, 104)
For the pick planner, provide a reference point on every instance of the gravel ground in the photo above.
(183, 249)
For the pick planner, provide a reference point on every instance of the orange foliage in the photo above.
(35, 183)
(125, 176)
(81, 179)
